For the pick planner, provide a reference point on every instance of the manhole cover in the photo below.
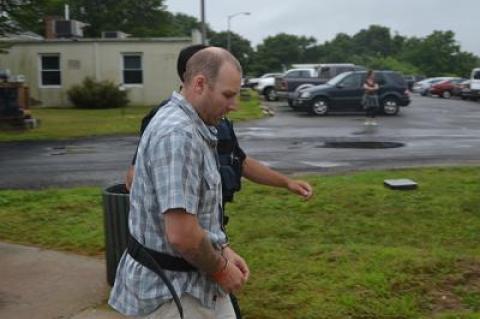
(361, 145)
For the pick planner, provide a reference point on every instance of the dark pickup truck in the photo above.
(295, 80)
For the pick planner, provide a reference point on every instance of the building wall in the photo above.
(100, 59)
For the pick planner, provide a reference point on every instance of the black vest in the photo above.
(231, 160)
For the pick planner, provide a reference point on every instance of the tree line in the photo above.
(374, 47)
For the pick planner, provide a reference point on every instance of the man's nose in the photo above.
(233, 106)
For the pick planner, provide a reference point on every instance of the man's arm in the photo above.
(191, 241)
(261, 174)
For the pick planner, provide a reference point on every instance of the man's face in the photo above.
(221, 97)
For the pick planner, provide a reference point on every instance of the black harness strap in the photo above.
(156, 262)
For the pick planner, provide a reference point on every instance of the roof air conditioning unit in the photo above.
(114, 35)
(69, 28)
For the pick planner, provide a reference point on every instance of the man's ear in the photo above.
(200, 84)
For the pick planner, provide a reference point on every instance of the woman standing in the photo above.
(370, 98)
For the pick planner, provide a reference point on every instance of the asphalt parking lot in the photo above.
(431, 131)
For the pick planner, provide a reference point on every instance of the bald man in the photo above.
(176, 204)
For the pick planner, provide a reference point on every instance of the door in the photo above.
(348, 92)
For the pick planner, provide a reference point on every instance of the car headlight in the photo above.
(305, 95)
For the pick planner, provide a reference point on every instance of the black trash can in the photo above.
(116, 205)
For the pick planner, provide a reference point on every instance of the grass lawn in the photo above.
(356, 250)
(68, 123)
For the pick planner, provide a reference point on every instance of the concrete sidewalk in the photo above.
(44, 284)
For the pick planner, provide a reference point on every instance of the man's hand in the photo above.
(238, 261)
(231, 278)
(129, 178)
(301, 188)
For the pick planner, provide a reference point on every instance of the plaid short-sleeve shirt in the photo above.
(176, 168)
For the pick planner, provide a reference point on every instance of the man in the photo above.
(176, 201)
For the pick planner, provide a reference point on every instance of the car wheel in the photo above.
(390, 105)
(319, 106)
(447, 94)
(270, 94)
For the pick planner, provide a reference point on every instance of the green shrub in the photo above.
(92, 94)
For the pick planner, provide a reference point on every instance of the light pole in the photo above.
(229, 35)
(202, 15)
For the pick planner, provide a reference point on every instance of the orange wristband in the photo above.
(219, 275)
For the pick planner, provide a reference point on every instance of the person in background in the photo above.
(370, 98)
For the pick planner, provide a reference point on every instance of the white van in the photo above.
(475, 82)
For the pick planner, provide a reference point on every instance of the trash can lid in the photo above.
(117, 189)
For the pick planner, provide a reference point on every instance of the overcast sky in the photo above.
(323, 19)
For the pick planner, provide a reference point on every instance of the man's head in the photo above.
(212, 83)
(185, 55)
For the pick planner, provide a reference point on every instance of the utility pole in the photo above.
(204, 27)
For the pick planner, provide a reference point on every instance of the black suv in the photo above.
(344, 93)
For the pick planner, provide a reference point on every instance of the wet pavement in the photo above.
(431, 131)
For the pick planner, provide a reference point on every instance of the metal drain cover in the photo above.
(402, 183)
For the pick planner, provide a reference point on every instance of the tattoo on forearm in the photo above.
(204, 256)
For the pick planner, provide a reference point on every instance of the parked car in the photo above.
(412, 79)
(344, 93)
(252, 82)
(296, 80)
(423, 87)
(445, 88)
(264, 85)
(457, 90)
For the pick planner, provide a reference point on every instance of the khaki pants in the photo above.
(192, 309)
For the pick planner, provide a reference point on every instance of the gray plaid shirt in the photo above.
(176, 167)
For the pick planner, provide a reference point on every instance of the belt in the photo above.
(157, 262)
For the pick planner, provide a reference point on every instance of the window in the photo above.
(305, 74)
(293, 74)
(132, 68)
(476, 75)
(50, 73)
(380, 78)
(325, 73)
(352, 81)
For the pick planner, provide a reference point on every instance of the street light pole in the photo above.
(229, 33)
(204, 28)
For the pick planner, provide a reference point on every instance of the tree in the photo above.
(138, 18)
(340, 49)
(280, 51)
(374, 41)
(23, 15)
(181, 25)
(438, 54)
(240, 47)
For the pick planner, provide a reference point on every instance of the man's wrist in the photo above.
(220, 274)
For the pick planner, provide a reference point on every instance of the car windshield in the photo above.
(334, 81)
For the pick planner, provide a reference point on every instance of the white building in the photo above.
(145, 67)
